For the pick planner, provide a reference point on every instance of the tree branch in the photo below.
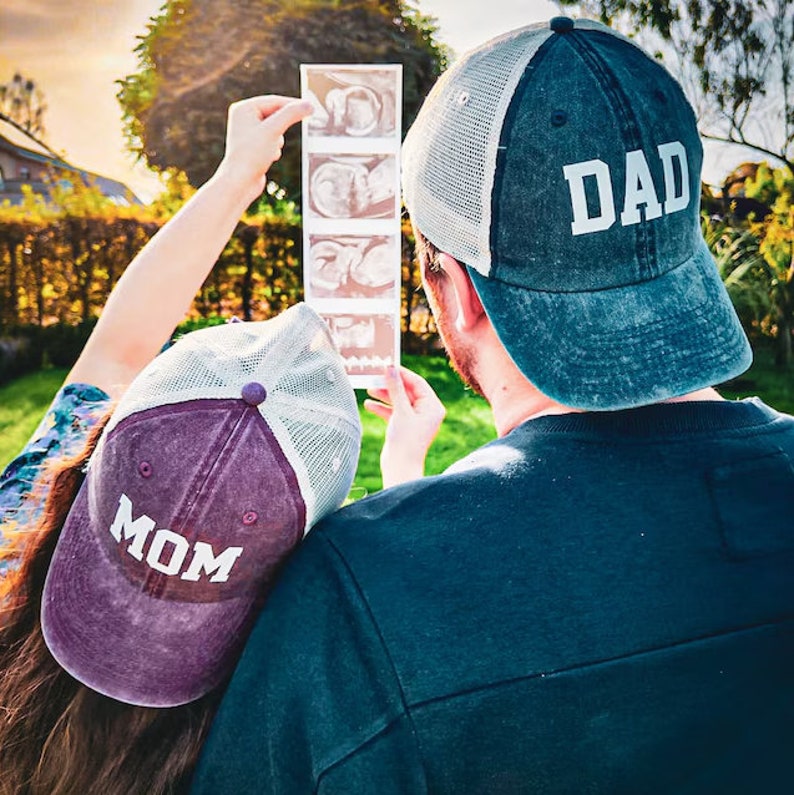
(780, 157)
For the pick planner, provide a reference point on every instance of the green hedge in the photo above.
(25, 349)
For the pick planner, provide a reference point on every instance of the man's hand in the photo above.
(413, 414)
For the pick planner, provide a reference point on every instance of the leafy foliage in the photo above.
(60, 258)
(776, 235)
(755, 256)
(743, 270)
(22, 103)
(198, 56)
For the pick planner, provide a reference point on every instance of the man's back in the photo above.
(597, 602)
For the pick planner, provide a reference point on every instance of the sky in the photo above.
(76, 51)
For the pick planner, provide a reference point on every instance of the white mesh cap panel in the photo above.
(449, 154)
(310, 404)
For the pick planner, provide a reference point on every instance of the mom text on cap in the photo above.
(204, 559)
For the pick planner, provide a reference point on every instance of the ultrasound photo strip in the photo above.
(351, 210)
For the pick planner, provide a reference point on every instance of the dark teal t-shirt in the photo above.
(596, 603)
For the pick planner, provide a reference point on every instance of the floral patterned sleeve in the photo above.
(62, 433)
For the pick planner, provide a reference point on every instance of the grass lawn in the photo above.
(22, 405)
(467, 425)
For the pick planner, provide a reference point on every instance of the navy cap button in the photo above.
(561, 24)
(559, 118)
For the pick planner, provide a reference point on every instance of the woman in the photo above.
(76, 715)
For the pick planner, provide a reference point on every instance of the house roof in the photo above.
(26, 145)
(21, 140)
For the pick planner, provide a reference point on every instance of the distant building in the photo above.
(24, 160)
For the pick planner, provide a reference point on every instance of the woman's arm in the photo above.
(156, 289)
(149, 301)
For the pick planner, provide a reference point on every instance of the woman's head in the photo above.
(58, 737)
(217, 460)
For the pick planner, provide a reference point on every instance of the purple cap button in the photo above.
(254, 393)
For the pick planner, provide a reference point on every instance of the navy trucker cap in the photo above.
(562, 164)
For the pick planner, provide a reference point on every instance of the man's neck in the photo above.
(514, 403)
(512, 397)
(702, 394)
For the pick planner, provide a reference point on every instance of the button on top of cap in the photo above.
(253, 393)
(561, 24)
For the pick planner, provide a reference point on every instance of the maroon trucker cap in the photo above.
(186, 512)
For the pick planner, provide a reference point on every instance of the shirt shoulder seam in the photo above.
(404, 711)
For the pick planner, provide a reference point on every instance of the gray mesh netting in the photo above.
(449, 154)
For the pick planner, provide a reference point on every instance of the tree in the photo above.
(735, 59)
(198, 56)
(22, 102)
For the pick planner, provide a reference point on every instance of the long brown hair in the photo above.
(58, 737)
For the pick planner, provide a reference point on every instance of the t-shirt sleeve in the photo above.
(314, 704)
(63, 431)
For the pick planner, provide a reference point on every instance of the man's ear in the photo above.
(469, 307)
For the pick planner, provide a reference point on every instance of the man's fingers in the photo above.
(396, 389)
(378, 409)
(406, 390)
(416, 386)
(379, 393)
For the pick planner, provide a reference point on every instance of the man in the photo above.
(602, 600)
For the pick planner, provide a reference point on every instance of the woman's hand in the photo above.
(413, 414)
(255, 137)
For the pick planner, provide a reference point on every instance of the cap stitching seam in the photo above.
(645, 242)
(501, 150)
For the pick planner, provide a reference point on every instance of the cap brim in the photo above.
(177, 652)
(625, 346)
